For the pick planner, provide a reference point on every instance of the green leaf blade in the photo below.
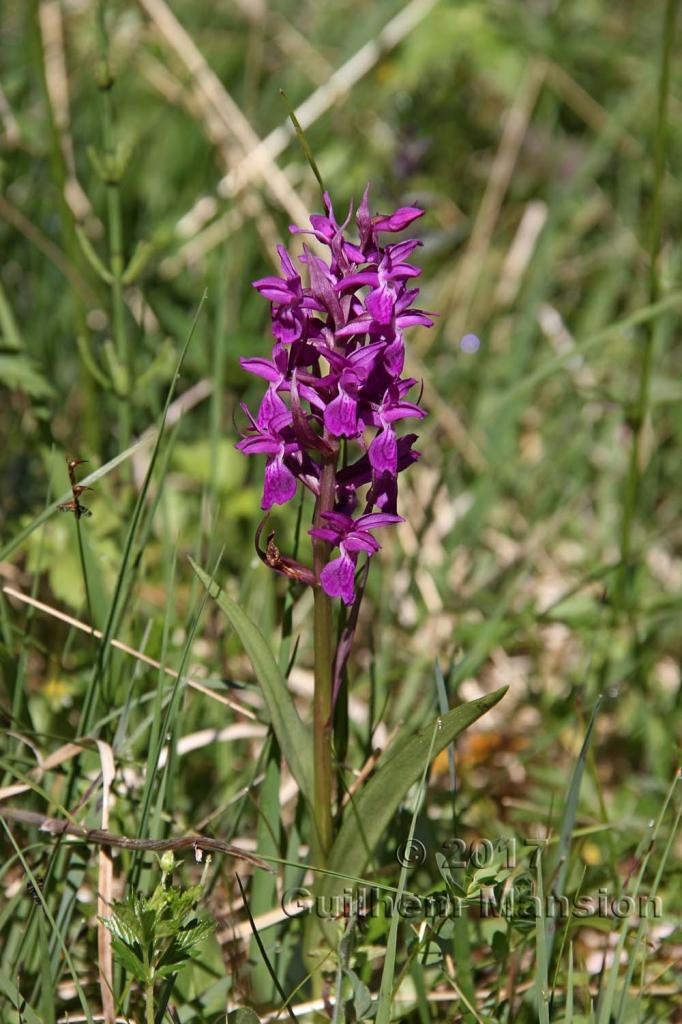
(378, 801)
(292, 735)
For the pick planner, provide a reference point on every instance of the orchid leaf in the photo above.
(375, 805)
(292, 735)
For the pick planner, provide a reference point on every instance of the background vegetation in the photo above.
(542, 548)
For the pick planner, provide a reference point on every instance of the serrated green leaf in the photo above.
(292, 735)
(191, 936)
(128, 960)
(172, 960)
(376, 804)
(122, 927)
(167, 969)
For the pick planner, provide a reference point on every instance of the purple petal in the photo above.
(280, 483)
(310, 395)
(398, 220)
(383, 452)
(403, 271)
(361, 540)
(406, 453)
(414, 318)
(271, 280)
(260, 444)
(353, 254)
(402, 411)
(340, 520)
(401, 250)
(394, 357)
(271, 408)
(247, 412)
(287, 264)
(364, 357)
(384, 492)
(376, 519)
(380, 304)
(407, 297)
(369, 277)
(325, 533)
(338, 578)
(405, 385)
(322, 227)
(287, 325)
(281, 420)
(341, 416)
(322, 287)
(362, 217)
(360, 325)
(260, 367)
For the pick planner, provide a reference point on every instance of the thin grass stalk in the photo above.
(568, 822)
(84, 570)
(217, 368)
(113, 170)
(569, 987)
(387, 988)
(542, 952)
(640, 411)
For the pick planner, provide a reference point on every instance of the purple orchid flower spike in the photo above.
(351, 537)
(336, 372)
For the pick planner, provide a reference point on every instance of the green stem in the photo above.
(149, 1003)
(641, 407)
(322, 718)
(84, 570)
(322, 725)
(322, 699)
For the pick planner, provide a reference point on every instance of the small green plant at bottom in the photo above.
(154, 936)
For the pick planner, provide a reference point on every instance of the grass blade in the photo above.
(302, 141)
(569, 987)
(542, 952)
(568, 820)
